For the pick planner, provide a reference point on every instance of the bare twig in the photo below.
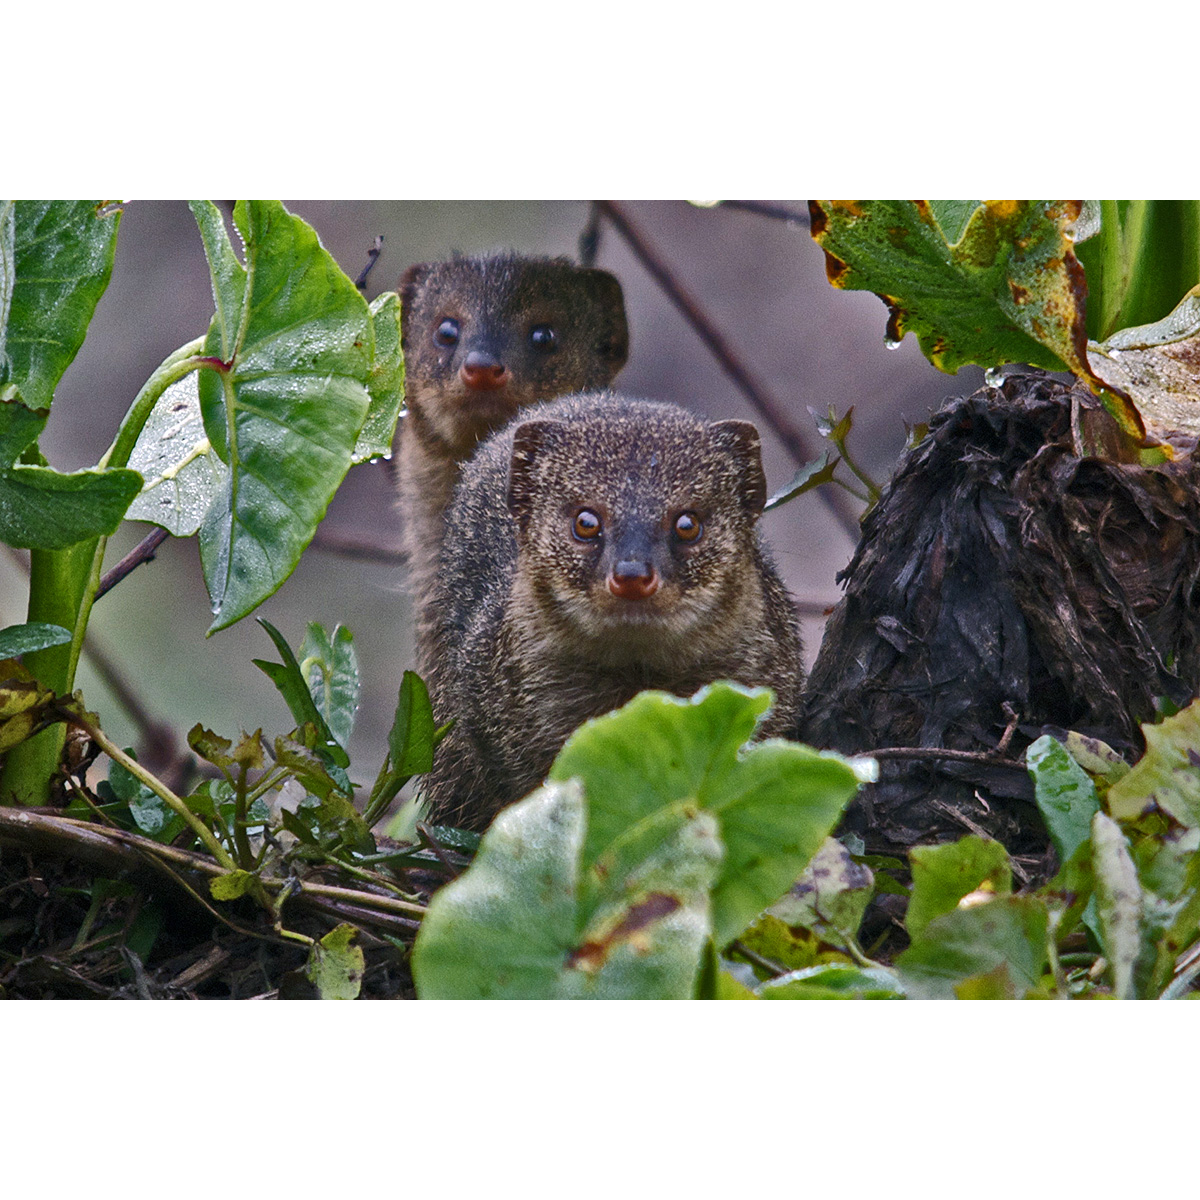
(143, 552)
(752, 388)
(988, 758)
(779, 212)
(589, 239)
(372, 257)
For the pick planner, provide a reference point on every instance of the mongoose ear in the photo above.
(410, 284)
(613, 330)
(740, 439)
(529, 441)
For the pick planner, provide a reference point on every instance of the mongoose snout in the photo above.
(483, 372)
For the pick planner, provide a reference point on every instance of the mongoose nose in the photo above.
(633, 580)
(482, 372)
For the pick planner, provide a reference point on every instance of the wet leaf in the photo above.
(183, 476)
(511, 925)
(968, 946)
(1000, 285)
(775, 802)
(386, 382)
(1118, 902)
(809, 476)
(328, 662)
(1066, 795)
(335, 965)
(1167, 774)
(56, 257)
(292, 344)
(33, 635)
(943, 875)
(42, 509)
(19, 425)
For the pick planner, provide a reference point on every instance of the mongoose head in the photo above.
(485, 336)
(635, 529)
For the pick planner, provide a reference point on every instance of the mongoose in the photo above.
(482, 338)
(595, 547)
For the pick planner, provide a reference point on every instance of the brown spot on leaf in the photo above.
(818, 221)
(835, 269)
(591, 956)
(1020, 295)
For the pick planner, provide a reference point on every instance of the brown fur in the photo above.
(531, 639)
(496, 302)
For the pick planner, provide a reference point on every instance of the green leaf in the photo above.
(776, 802)
(19, 424)
(386, 382)
(61, 259)
(335, 966)
(1140, 257)
(42, 509)
(1118, 902)
(293, 687)
(34, 635)
(835, 981)
(232, 885)
(291, 346)
(809, 476)
(1167, 775)
(1066, 795)
(831, 896)
(330, 665)
(1007, 289)
(411, 742)
(943, 875)
(183, 476)
(511, 926)
(960, 949)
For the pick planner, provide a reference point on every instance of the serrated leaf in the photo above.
(834, 981)
(33, 635)
(511, 925)
(335, 965)
(1066, 795)
(62, 258)
(284, 401)
(386, 382)
(42, 509)
(329, 664)
(968, 945)
(182, 474)
(1118, 902)
(211, 747)
(1166, 775)
(776, 802)
(943, 875)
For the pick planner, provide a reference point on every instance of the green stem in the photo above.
(870, 484)
(1111, 284)
(159, 788)
(62, 588)
(241, 839)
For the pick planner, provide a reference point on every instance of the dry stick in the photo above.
(143, 552)
(589, 239)
(772, 412)
(372, 257)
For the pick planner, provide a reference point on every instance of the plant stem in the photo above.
(159, 788)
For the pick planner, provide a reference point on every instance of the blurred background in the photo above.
(758, 279)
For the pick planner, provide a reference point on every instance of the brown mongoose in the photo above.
(483, 337)
(595, 547)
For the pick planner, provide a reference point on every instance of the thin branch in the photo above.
(984, 757)
(589, 239)
(752, 388)
(779, 212)
(372, 257)
(143, 552)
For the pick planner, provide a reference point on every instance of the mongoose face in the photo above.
(485, 336)
(635, 532)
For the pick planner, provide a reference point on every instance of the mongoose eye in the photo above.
(446, 333)
(543, 338)
(688, 527)
(587, 525)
